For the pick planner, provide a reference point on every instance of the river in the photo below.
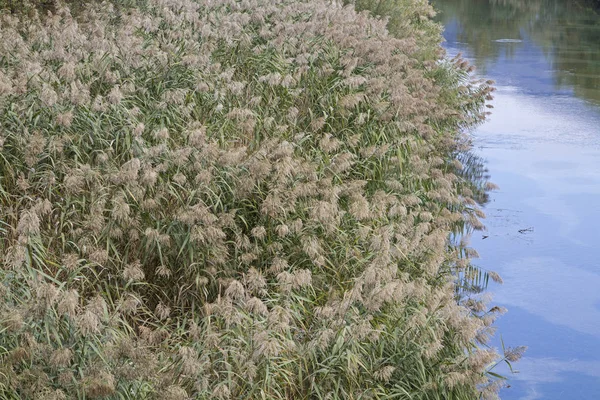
(542, 146)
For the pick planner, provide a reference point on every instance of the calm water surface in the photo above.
(542, 145)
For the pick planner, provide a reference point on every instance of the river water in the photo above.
(542, 146)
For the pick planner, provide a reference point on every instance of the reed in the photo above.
(234, 200)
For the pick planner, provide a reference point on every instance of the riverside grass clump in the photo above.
(235, 200)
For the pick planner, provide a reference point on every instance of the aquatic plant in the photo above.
(233, 200)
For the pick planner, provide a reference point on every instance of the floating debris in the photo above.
(508, 41)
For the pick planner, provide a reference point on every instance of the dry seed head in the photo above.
(115, 95)
(325, 212)
(491, 186)
(61, 358)
(139, 129)
(285, 281)
(495, 277)
(233, 157)
(235, 291)
(152, 234)
(129, 171)
(12, 320)
(433, 349)
(248, 258)
(250, 371)
(282, 230)
(359, 207)
(317, 124)
(23, 183)
(101, 157)
(312, 247)
(272, 79)
(6, 85)
(149, 204)
(174, 392)
(256, 306)
(29, 223)
(190, 363)
(302, 278)
(80, 93)
(255, 281)
(277, 265)
(97, 305)
(292, 115)
(98, 256)
(133, 272)
(43, 208)
(98, 105)
(221, 392)
(352, 100)
(259, 232)
(162, 134)
(179, 178)
(66, 378)
(129, 303)
(134, 235)
(385, 374)
(329, 144)
(498, 310)
(89, 323)
(69, 303)
(323, 339)
(47, 293)
(514, 354)
(48, 96)
(18, 355)
(265, 346)
(121, 208)
(65, 119)
(485, 334)
(482, 358)
(162, 311)
(214, 235)
(100, 384)
(342, 163)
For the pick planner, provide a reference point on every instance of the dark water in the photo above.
(542, 145)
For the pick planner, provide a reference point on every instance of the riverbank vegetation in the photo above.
(236, 199)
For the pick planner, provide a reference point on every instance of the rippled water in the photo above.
(542, 146)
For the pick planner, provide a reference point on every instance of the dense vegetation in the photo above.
(237, 199)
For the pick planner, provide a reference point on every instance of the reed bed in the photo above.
(236, 200)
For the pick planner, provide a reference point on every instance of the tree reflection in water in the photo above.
(568, 32)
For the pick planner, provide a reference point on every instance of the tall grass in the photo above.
(234, 200)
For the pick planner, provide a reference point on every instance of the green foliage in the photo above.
(234, 200)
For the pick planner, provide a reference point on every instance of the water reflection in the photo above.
(542, 146)
(566, 33)
(540, 373)
(551, 273)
